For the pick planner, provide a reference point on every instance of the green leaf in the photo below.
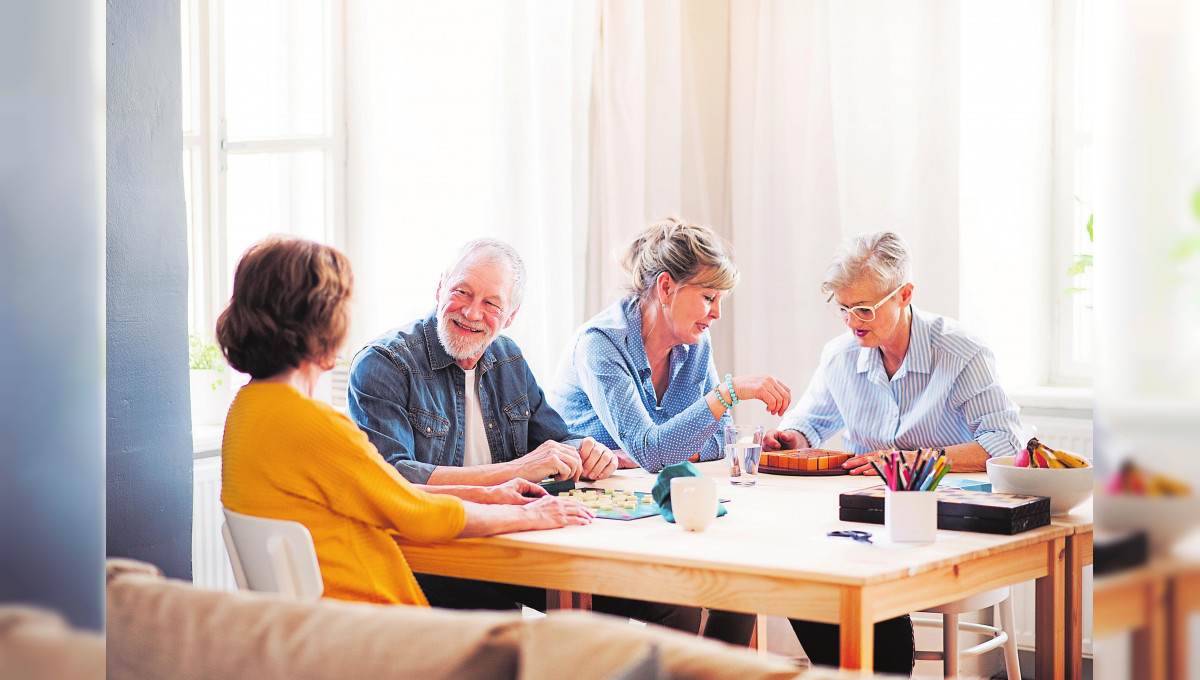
(1187, 248)
(1196, 204)
(1089, 227)
(1077, 269)
(1073, 291)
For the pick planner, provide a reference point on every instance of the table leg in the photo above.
(1183, 599)
(857, 632)
(1073, 583)
(1051, 617)
(1150, 641)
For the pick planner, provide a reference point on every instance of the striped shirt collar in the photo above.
(918, 358)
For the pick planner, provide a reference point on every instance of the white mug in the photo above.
(694, 502)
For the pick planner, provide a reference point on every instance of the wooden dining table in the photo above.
(771, 554)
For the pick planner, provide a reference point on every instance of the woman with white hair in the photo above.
(903, 379)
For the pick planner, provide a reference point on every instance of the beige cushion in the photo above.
(588, 646)
(36, 644)
(167, 629)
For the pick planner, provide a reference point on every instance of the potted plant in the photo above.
(209, 394)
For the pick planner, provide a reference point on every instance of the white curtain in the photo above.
(466, 118)
(785, 125)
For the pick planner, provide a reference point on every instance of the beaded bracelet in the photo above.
(721, 399)
(732, 394)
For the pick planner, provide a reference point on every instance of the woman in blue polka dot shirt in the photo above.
(640, 376)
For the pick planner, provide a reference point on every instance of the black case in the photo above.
(958, 510)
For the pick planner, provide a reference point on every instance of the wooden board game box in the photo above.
(804, 462)
(958, 510)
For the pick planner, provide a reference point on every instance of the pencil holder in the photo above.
(910, 516)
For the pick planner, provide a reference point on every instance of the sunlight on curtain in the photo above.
(843, 119)
(462, 121)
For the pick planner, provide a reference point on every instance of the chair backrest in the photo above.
(272, 556)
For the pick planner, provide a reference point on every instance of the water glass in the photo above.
(743, 450)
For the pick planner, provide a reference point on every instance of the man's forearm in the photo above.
(476, 475)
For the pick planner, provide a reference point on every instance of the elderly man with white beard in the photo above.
(448, 400)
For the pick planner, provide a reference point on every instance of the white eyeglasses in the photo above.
(861, 312)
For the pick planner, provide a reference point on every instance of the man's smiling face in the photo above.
(473, 307)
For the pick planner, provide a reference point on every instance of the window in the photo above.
(263, 133)
(1071, 363)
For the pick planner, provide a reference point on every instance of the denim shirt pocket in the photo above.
(429, 436)
(518, 424)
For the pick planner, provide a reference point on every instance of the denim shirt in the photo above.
(406, 393)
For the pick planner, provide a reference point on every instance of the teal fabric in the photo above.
(662, 487)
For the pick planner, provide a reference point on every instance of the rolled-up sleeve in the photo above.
(378, 402)
(991, 416)
(609, 383)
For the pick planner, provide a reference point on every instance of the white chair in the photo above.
(272, 556)
(1002, 635)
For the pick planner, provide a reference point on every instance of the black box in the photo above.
(958, 510)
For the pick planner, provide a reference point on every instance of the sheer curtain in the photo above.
(566, 127)
(466, 118)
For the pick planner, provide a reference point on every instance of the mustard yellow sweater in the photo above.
(285, 456)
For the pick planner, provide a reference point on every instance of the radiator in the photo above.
(1075, 435)
(210, 561)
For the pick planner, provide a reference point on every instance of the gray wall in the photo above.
(149, 427)
(51, 307)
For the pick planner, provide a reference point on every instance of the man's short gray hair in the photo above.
(493, 252)
(880, 256)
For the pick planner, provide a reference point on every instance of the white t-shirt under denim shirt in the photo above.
(475, 450)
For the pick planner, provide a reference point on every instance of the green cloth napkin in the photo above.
(662, 487)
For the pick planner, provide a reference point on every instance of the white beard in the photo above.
(457, 346)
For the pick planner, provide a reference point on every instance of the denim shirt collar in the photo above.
(439, 358)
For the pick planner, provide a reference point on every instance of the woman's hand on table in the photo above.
(551, 512)
(784, 440)
(515, 492)
(765, 388)
(861, 464)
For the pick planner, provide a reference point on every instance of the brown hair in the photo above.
(690, 253)
(290, 304)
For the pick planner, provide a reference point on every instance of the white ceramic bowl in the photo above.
(1165, 519)
(1066, 487)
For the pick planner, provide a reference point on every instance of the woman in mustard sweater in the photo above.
(287, 456)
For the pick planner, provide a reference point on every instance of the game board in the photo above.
(804, 462)
(595, 499)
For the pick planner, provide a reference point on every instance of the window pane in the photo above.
(275, 68)
(272, 193)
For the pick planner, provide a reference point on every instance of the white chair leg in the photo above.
(1012, 663)
(950, 645)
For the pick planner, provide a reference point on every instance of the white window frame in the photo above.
(1065, 369)
(210, 275)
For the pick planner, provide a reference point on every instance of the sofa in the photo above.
(164, 628)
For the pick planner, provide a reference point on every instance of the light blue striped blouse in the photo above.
(944, 393)
(603, 389)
